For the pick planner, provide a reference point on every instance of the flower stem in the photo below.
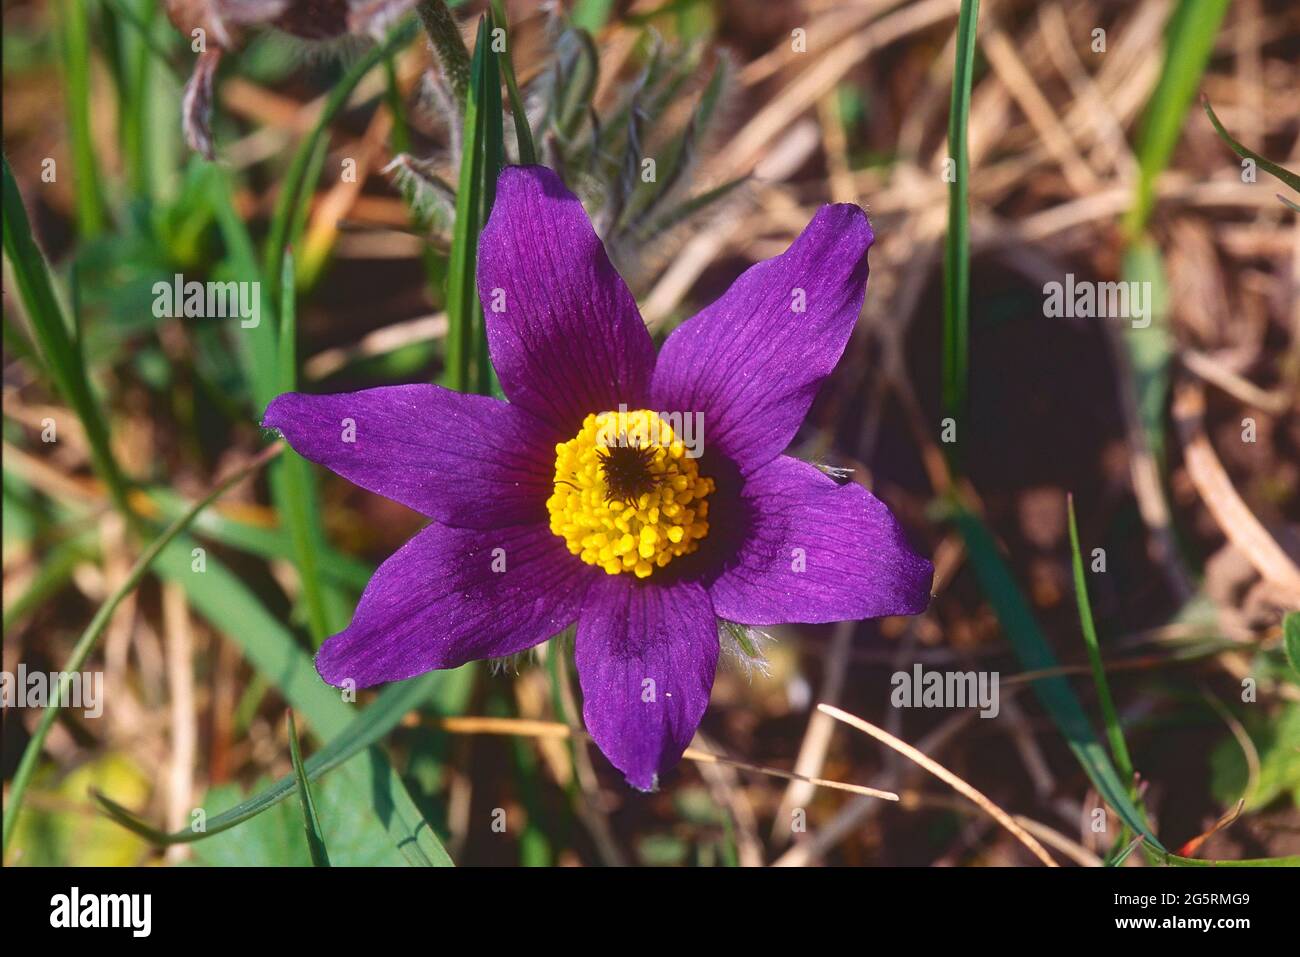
(447, 42)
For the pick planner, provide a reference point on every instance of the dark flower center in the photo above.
(627, 473)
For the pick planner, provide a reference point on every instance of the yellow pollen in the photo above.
(627, 496)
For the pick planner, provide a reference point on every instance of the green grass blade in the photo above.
(74, 48)
(487, 83)
(1034, 653)
(956, 250)
(1267, 165)
(1114, 733)
(523, 132)
(464, 311)
(58, 349)
(257, 346)
(315, 842)
(293, 483)
(86, 643)
(1189, 43)
(315, 256)
(269, 358)
(295, 189)
(146, 37)
(366, 729)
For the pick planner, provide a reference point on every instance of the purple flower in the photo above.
(583, 498)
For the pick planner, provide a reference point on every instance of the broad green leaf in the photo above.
(275, 837)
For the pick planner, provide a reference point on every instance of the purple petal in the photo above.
(564, 332)
(451, 595)
(814, 551)
(646, 656)
(466, 460)
(752, 362)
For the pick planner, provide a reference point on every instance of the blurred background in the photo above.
(338, 132)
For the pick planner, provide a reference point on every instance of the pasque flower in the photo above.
(582, 499)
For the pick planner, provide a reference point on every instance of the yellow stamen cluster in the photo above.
(604, 524)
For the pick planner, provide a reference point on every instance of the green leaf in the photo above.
(1034, 653)
(1277, 742)
(315, 842)
(275, 837)
(689, 208)
(1114, 731)
(1291, 640)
